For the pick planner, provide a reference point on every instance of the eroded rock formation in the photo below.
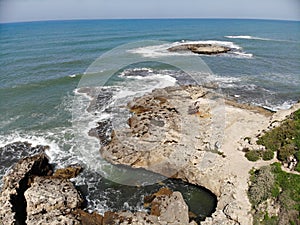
(192, 134)
(32, 194)
(206, 49)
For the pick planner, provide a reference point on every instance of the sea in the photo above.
(48, 68)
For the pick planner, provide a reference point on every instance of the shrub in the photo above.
(267, 155)
(284, 139)
(261, 186)
(253, 155)
(286, 151)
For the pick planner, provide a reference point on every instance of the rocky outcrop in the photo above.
(206, 49)
(32, 194)
(50, 200)
(167, 207)
(12, 207)
(170, 133)
(192, 134)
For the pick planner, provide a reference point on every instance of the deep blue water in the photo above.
(42, 63)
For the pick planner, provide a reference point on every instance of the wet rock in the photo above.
(89, 219)
(102, 131)
(68, 173)
(207, 49)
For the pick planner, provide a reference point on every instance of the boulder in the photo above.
(51, 197)
(167, 207)
(12, 207)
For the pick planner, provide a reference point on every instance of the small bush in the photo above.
(267, 155)
(285, 152)
(253, 155)
(262, 185)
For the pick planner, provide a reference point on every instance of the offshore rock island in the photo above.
(204, 49)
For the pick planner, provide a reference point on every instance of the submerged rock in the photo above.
(206, 49)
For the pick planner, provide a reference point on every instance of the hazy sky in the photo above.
(31, 10)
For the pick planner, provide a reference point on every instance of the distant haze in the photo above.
(35, 10)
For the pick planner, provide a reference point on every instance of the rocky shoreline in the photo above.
(33, 193)
(175, 132)
(188, 132)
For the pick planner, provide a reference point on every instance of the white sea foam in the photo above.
(140, 84)
(5, 123)
(285, 105)
(53, 152)
(156, 51)
(248, 37)
(243, 55)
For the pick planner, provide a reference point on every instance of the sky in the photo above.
(35, 10)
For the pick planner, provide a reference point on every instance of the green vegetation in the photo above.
(273, 184)
(285, 140)
(267, 155)
(253, 155)
(262, 183)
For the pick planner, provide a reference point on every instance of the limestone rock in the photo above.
(207, 49)
(47, 195)
(30, 195)
(167, 207)
(189, 133)
(89, 219)
(68, 173)
(12, 209)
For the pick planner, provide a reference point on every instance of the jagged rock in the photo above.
(30, 195)
(167, 207)
(68, 173)
(55, 217)
(207, 49)
(89, 219)
(219, 218)
(193, 130)
(12, 207)
(50, 195)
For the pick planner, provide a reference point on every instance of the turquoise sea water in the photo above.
(42, 63)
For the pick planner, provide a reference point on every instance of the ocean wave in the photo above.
(248, 37)
(282, 106)
(243, 55)
(156, 51)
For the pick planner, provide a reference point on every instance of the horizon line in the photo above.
(162, 18)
